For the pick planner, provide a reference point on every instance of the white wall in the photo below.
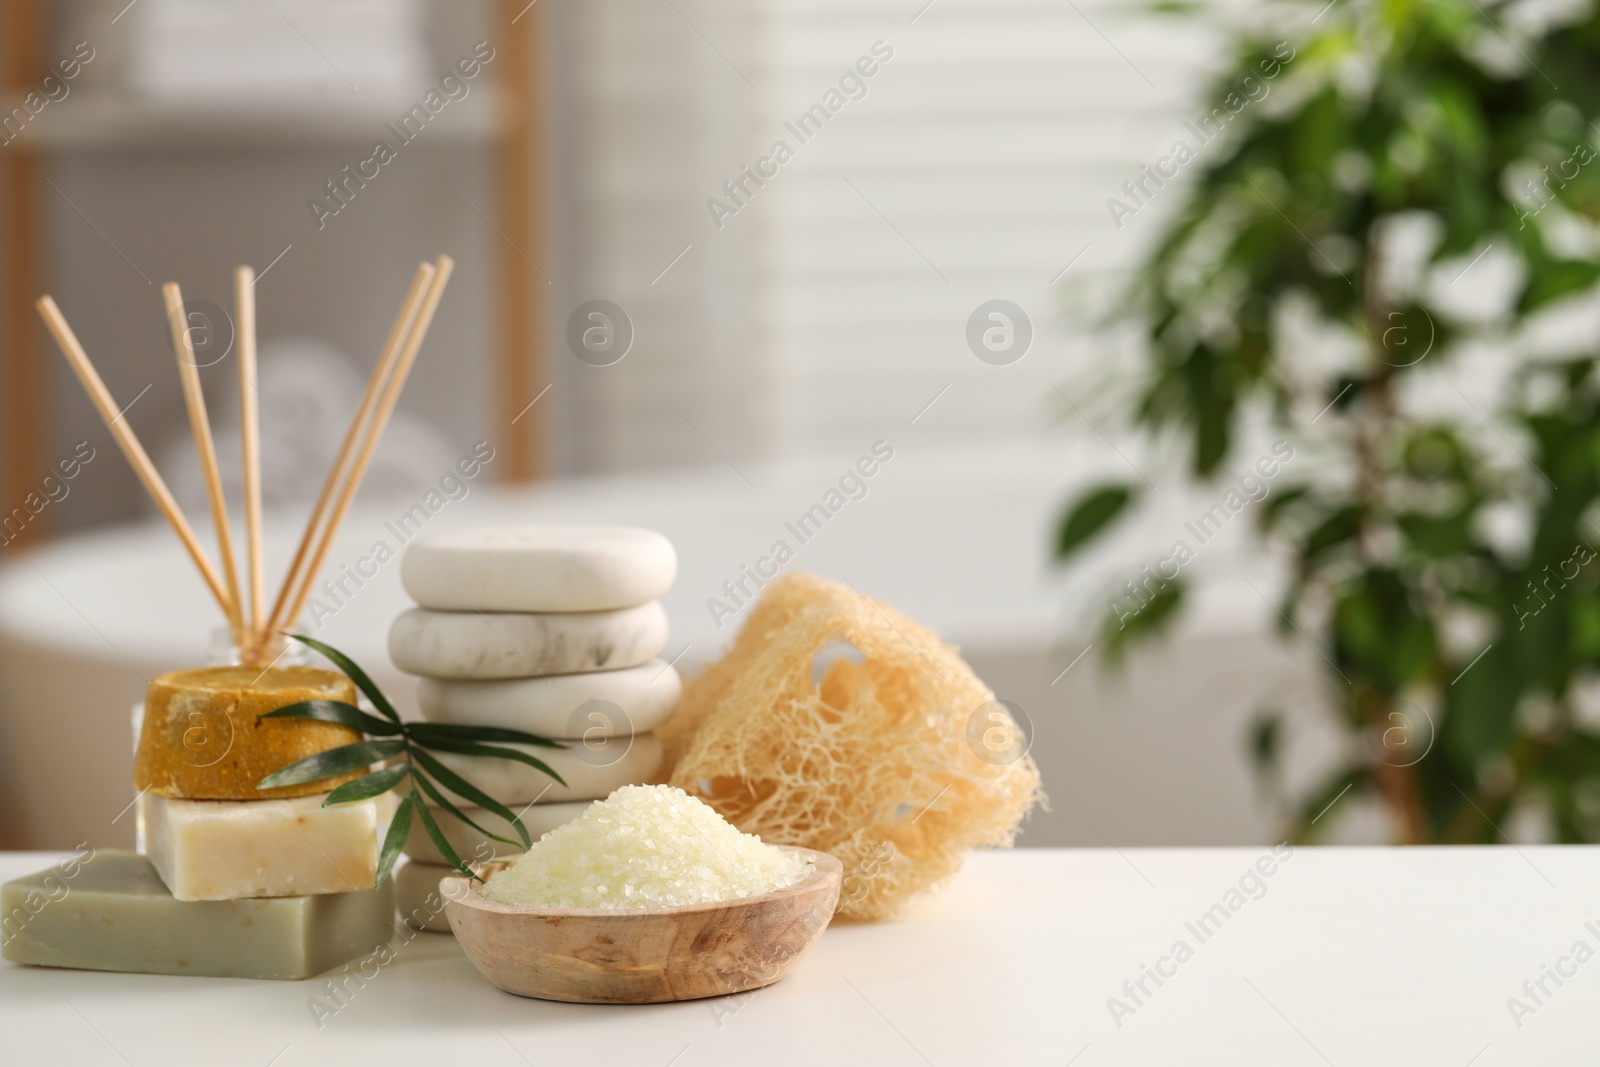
(130, 210)
(830, 308)
(834, 302)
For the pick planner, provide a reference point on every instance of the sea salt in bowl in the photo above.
(645, 955)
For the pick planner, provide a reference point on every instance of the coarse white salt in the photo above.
(645, 846)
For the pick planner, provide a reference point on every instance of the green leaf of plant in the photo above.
(470, 748)
(355, 674)
(1442, 536)
(395, 839)
(439, 840)
(1213, 433)
(1316, 809)
(424, 731)
(1435, 454)
(1552, 280)
(1134, 623)
(1093, 512)
(1335, 530)
(1584, 621)
(1272, 508)
(368, 785)
(448, 805)
(1480, 711)
(445, 737)
(1265, 734)
(339, 760)
(335, 711)
(467, 791)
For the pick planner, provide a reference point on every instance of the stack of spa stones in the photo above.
(553, 630)
(234, 881)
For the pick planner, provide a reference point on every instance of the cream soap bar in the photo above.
(227, 849)
(118, 916)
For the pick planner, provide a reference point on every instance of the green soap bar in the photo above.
(113, 913)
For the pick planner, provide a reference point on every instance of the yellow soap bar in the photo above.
(203, 738)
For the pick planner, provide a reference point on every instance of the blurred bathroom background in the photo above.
(942, 154)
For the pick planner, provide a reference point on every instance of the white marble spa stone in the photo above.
(539, 568)
(470, 644)
(633, 700)
(591, 769)
(474, 847)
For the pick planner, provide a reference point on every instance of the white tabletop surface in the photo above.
(1355, 957)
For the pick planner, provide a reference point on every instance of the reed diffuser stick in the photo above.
(244, 307)
(123, 434)
(380, 419)
(277, 619)
(194, 399)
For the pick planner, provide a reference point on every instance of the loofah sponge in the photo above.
(871, 761)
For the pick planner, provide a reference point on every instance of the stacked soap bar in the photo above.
(236, 882)
(553, 630)
(209, 831)
(228, 849)
(203, 737)
(117, 915)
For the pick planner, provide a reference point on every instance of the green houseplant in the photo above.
(1437, 547)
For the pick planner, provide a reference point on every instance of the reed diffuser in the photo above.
(258, 629)
(204, 735)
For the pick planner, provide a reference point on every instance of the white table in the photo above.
(1348, 957)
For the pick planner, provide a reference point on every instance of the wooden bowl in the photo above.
(646, 955)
